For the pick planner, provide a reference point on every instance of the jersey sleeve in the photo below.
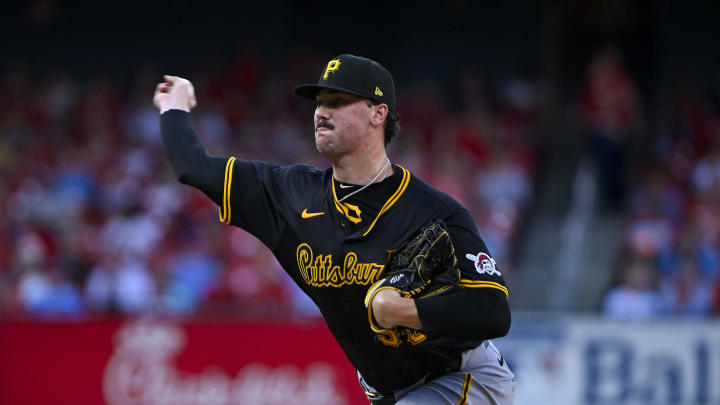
(246, 192)
(253, 196)
(477, 267)
(480, 309)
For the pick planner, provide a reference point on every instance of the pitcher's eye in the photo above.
(332, 103)
(338, 102)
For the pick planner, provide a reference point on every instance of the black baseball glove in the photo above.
(423, 267)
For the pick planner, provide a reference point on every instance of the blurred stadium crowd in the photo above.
(94, 223)
(669, 256)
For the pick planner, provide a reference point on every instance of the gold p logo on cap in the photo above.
(332, 67)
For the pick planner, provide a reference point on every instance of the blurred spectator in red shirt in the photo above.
(610, 102)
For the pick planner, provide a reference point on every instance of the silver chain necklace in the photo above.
(371, 182)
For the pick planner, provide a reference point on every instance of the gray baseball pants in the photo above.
(484, 378)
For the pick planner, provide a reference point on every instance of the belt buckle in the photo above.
(380, 399)
(452, 366)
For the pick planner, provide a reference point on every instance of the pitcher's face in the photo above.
(342, 121)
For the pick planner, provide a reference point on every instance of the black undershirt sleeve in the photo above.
(192, 163)
(472, 313)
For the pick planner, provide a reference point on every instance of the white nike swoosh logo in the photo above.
(344, 186)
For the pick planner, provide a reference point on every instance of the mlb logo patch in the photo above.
(484, 264)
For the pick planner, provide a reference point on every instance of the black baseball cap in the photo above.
(356, 75)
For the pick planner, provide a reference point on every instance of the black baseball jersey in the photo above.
(335, 250)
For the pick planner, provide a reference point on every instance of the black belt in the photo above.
(452, 366)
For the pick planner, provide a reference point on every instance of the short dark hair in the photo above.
(392, 123)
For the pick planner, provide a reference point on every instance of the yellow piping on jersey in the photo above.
(389, 203)
(337, 203)
(480, 283)
(393, 198)
(436, 292)
(388, 337)
(345, 208)
(465, 390)
(224, 210)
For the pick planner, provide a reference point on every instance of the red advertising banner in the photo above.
(140, 362)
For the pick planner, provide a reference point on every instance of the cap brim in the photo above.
(311, 90)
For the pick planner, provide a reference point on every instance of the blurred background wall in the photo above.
(584, 138)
